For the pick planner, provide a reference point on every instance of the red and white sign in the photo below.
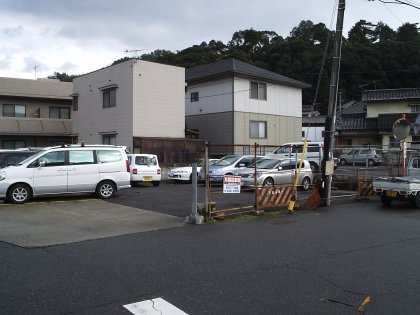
(231, 184)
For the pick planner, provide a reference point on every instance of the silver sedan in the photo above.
(276, 172)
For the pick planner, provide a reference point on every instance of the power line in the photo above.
(408, 3)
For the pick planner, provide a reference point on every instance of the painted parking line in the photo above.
(46, 202)
(154, 306)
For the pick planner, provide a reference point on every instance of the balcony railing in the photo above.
(32, 126)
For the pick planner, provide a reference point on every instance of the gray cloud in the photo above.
(31, 62)
(13, 31)
(90, 32)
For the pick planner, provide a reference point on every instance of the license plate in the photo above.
(147, 178)
(391, 193)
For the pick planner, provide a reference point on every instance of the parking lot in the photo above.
(57, 220)
(66, 219)
(320, 261)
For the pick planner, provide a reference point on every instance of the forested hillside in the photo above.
(373, 57)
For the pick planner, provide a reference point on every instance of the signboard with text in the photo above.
(231, 184)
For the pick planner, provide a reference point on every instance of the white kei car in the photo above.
(184, 173)
(144, 168)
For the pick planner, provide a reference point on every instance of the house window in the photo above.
(258, 129)
(60, 112)
(75, 103)
(13, 110)
(258, 91)
(415, 108)
(109, 98)
(109, 139)
(194, 97)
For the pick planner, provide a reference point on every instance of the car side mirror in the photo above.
(41, 163)
(241, 165)
(280, 168)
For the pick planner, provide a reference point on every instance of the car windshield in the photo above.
(266, 164)
(31, 157)
(283, 150)
(227, 160)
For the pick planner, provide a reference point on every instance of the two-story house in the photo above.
(35, 113)
(370, 121)
(138, 104)
(233, 102)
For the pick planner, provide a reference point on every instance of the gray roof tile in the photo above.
(391, 95)
(230, 67)
(355, 108)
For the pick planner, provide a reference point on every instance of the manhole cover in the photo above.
(350, 298)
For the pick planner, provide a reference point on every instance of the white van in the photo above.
(293, 150)
(100, 169)
(144, 168)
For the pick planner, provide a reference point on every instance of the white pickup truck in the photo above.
(400, 188)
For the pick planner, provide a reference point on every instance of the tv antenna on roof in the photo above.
(36, 67)
(134, 51)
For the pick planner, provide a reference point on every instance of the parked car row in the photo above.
(103, 169)
(184, 173)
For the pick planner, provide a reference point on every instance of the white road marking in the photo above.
(156, 306)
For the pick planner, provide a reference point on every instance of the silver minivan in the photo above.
(100, 169)
(293, 150)
(367, 156)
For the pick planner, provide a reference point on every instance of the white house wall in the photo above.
(214, 97)
(91, 120)
(158, 100)
(281, 100)
(313, 133)
(374, 109)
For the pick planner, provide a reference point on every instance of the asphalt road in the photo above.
(292, 264)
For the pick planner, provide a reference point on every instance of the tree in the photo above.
(64, 77)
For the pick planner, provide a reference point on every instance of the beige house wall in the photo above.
(280, 129)
(158, 100)
(38, 96)
(150, 102)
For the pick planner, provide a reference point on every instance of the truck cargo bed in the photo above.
(406, 183)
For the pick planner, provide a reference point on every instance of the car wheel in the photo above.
(306, 183)
(155, 183)
(268, 182)
(418, 200)
(343, 162)
(386, 201)
(19, 193)
(371, 162)
(106, 189)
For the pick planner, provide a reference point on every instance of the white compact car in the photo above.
(144, 168)
(100, 169)
(184, 173)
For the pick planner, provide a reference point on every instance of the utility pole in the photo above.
(332, 107)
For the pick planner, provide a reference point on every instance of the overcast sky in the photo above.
(79, 36)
